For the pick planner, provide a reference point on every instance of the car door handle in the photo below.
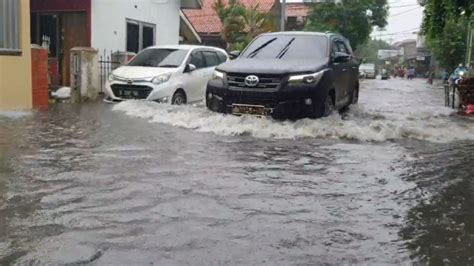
(344, 70)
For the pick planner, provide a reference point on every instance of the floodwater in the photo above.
(388, 182)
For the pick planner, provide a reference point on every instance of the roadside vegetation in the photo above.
(240, 24)
(445, 25)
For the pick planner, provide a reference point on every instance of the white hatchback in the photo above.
(175, 74)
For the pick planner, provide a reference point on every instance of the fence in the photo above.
(108, 61)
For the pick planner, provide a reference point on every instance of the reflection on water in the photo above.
(440, 230)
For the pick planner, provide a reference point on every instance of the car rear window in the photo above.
(288, 47)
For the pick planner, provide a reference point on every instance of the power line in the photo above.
(406, 11)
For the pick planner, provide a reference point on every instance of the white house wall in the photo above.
(109, 21)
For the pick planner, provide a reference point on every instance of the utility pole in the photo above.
(283, 15)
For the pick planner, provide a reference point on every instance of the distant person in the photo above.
(445, 76)
(411, 73)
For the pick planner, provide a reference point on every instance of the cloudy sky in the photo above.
(404, 19)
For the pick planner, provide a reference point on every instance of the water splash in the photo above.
(357, 124)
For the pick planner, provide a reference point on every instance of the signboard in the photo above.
(386, 54)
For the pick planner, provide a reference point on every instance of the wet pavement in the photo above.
(388, 182)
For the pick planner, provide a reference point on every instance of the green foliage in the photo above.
(353, 19)
(445, 27)
(368, 51)
(241, 24)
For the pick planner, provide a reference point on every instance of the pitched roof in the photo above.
(205, 20)
(297, 10)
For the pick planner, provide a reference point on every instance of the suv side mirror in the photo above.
(341, 57)
(189, 68)
(234, 54)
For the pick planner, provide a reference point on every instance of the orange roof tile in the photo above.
(205, 20)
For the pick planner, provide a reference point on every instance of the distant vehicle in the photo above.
(367, 70)
(287, 75)
(175, 74)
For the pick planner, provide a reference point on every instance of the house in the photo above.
(15, 55)
(208, 25)
(118, 25)
(296, 16)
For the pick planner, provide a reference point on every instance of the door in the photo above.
(344, 69)
(338, 73)
(74, 34)
(195, 81)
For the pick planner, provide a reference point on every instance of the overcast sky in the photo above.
(404, 19)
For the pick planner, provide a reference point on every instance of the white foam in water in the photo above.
(358, 125)
(14, 114)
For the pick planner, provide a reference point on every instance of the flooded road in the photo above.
(390, 181)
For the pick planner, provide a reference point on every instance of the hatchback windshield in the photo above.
(288, 47)
(159, 58)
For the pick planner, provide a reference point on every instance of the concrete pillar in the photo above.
(39, 75)
(85, 76)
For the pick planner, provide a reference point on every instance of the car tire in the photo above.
(323, 109)
(179, 98)
(355, 96)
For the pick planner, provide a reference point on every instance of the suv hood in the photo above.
(272, 66)
(135, 72)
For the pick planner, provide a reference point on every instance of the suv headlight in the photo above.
(217, 75)
(307, 78)
(161, 79)
(111, 77)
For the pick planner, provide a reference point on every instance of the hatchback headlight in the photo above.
(307, 78)
(217, 75)
(161, 79)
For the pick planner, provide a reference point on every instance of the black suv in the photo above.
(287, 75)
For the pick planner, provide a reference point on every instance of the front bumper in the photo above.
(117, 91)
(287, 101)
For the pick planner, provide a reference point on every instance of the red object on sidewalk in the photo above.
(39, 73)
(470, 109)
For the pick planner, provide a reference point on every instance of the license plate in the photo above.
(242, 109)
(128, 93)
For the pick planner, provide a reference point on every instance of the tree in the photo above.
(445, 27)
(368, 51)
(354, 19)
(241, 24)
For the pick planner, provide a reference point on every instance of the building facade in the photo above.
(15, 55)
(118, 25)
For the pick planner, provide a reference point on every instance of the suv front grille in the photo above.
(265, 81)
(131, 91)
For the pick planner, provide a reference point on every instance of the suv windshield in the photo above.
(159, 58)
(288, 47)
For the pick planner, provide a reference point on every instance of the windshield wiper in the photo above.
(255, 52)
(285, 49)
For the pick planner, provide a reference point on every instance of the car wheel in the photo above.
(179, 98)
(355, 96)
(328, 107)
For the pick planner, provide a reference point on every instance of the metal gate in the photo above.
(108, 61)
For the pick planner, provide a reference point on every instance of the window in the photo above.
(9, 26)
(159, 58)
(140, 35)
(197, 59)
(222, 57)
(342, 47)
(211, 58)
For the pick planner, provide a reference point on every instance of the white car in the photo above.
(175, 74)
(367, 70)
